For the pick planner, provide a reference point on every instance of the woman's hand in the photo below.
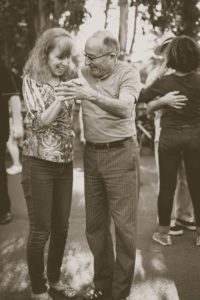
(174, 99)
(74, 90)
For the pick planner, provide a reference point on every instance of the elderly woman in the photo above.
(180, 130)
(47, 159)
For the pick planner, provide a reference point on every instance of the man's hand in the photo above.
(174, 99)
(74, 90)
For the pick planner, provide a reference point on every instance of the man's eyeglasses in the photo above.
(92, 58)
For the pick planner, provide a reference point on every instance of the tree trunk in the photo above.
(135, 28)
(39, 18)
(108, 3)
(123, 24)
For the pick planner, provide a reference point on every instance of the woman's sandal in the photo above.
(63, 289)
(93, 294)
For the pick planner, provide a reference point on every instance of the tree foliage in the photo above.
(179, 16)
(21, 22)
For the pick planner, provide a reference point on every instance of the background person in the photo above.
(180, 130)
(8, 98)
(110, 163)
(182, 213)
(47, 173)
(13, 145)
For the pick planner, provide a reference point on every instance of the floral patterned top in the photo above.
(55, 141)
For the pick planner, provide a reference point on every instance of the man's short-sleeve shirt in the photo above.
(101, 126)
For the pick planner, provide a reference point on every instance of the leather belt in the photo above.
(114, 144)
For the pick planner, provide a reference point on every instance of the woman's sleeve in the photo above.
(33, 102)
(153, 91)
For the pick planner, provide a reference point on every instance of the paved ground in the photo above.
(162, 273)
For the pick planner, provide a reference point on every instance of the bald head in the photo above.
(105, 40)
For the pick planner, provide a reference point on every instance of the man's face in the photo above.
(100, 61)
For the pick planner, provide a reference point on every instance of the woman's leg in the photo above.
(62, 196)
(182, 200)
(38, 191)
(191, 156)
(4, 197)
(169, 161)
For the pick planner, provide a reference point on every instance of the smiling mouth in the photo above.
(61, 69)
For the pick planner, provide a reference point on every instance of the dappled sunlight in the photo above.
(139, 269)
(157, 264)
(154, 289)
(9, 246)
(13, 271)
(78, 187)
(151, 280)
(148, 169)
(78, 266)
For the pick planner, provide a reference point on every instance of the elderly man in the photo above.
(109, 92)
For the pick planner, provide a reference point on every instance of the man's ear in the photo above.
(113, 55)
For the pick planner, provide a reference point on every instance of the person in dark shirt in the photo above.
(180, 133)
(8, 97)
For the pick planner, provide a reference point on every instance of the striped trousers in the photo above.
(112, 191)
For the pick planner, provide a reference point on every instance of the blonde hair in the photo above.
(37, 65)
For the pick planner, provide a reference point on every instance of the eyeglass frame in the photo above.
(95, 57)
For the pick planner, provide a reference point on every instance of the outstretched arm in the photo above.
(121, 107)
(173, 99)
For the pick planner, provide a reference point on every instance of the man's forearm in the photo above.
(121, 109)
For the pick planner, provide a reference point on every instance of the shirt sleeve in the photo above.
(130, 83)
(150, 93)
(33, 102)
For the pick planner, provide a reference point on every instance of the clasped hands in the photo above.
(74, 90)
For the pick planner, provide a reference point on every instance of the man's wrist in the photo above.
(94, 95)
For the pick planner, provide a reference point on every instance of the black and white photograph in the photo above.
(100, 150)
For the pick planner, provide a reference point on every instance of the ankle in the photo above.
(164, 229)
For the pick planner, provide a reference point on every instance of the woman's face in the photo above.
(58, 60)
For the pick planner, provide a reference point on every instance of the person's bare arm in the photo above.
(15, 107)
(121, 107)
(114, 106)
(173, 99)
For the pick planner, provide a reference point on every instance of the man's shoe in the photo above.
(95, 294)
(186, 224)
(162, 238)
(6, 218)
(176, 230)
(43, 296)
